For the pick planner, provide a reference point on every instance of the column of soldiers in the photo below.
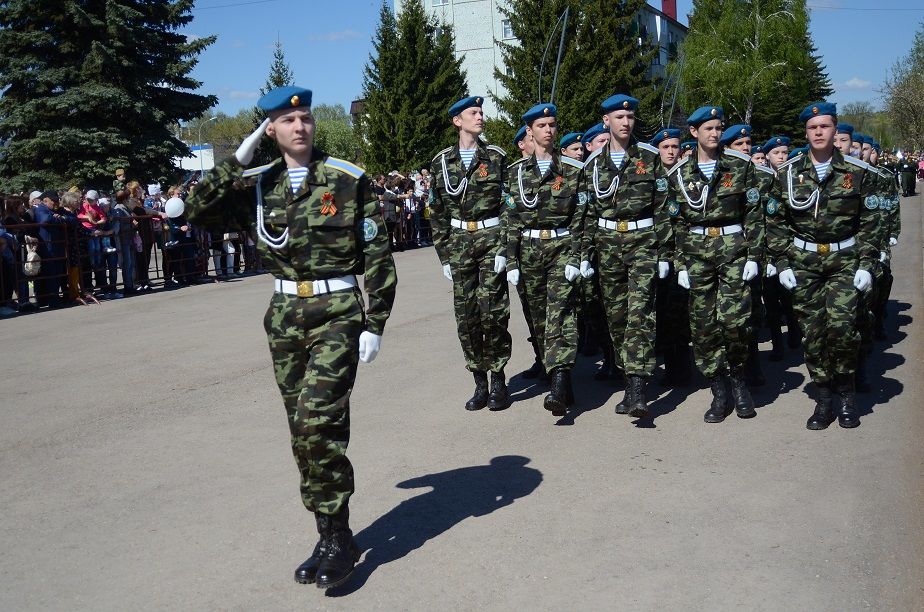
(648, 246)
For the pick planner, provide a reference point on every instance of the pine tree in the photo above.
(280, 75)
(410, 81)
(92, 85)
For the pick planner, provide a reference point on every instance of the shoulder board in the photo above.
(647, 147)
(444, 151)
(677, 165)
(258, 170)
(497, 149)
(593, 155)
(737, 154)
(571, 162)
(344, 166)
(790, 162)
(765, 169)
(519, 161)
(856, 162)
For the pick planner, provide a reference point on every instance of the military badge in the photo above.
(559, 182)
(370, 229)
(847, 183)
(509, 201)
(727, 180)
(483, 170)
(772, 206)
(673, 208)
(640, 167)
(328, 208)
(661, 184)
(753, 195)
(871, 202)
(583, 198)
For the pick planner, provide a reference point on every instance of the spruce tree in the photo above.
(92, 85)
(280, 75)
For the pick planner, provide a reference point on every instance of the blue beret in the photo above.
(664, 134)
(619, 102)
(845, 128)
(539, 111)
(284, 97)
(521, 134)
(797, 151)
(867, 140)
(592, 132)
(876, 147)
(735, 132)
(689, 145)
(464, 103)
(756, 149)
(569, 139)
(704, 114)
(816, 109)
(774, 142)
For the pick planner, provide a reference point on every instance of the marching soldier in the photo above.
(466, 198)
(715, 200)
(822, 240)
(319, 225)
(571, 146)
(628, 233)
(544, 248)
(891, 228)
(758, 156)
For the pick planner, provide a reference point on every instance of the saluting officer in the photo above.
(466, 200)
(319, 225)
(822, 239)
(544, 247)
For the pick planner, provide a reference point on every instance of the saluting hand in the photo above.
(244, 153)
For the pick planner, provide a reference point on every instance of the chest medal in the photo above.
(328, 208)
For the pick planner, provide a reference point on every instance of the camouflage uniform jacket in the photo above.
(843, 209)
(545, 202)
(891, 222)
(639, 192)
(334, 223)
(734, 197)
(480, 199)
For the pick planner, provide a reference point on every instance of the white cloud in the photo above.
(240, 94)
(237, 43)
(192, 37)
(334, 36)
(857, 83)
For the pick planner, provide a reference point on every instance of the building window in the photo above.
(509, 71)
(440, 2)
(438, 31)
(507, 29)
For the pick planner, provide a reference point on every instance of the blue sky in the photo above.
(327, 44)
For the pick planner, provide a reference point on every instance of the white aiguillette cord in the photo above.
(614, 184)
(796, 203)
(523, 198)
(462, 187)
(274, 242)
(700, 202)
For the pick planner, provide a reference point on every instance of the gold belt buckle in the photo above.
(714, 231)
(622, 226)
(824, 249)
(545, 234)
(305, 289)
(471, 225)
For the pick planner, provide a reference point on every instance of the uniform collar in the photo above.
(554, 167)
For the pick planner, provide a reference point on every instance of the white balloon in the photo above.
(174, 207)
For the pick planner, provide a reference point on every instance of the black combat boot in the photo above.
(793, 333)
(340, 554)
(753, 374)
(744, 403)
(638, 407)
(306, 572)
(847, 416)
(625, 404)
(480, 399)
(607, 369)
(776, 340)
(499, 398)
(824, 413)
(718, 410)
(861, 381)
(557, 399)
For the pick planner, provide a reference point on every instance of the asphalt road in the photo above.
(144, 464)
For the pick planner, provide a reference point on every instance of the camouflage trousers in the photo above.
(720, 302)
(314, 344)
(480, 299)
(628, 269)
(826, 305)
(551, 299)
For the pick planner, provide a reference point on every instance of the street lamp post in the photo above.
(201, 168)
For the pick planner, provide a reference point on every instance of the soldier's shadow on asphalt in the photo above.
(456, 495)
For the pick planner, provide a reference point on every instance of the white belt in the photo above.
(717, 231)
(313, 288)
(545, 234)
(475, 225)
(625, 226)
(824, 247)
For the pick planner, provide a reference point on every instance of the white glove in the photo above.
(893, 240)
(513, 276)
(586, 270)
(244, 153)
(683, 279)
(664, 268)
(862, 280)
(883, 256)
(788, 279)
(369, 345)
(770, 270)
(571, 273)
(750, 271)
(500, 264)
(447, 272)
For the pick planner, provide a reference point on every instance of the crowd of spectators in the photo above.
(404, 202)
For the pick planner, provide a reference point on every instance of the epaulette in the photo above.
(594, 154)
(258, 170)
(677, 165)
(647, 147)
(738, 154)
(856, 162)
(345, 167)
(766, 169)
(443, 152)
(519, 161)
(790, 162)
(571, 162)
(497, 149)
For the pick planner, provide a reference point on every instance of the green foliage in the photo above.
(280, 75)
(334, 134)
(904, 95)
(91, 86)
(410, 80)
